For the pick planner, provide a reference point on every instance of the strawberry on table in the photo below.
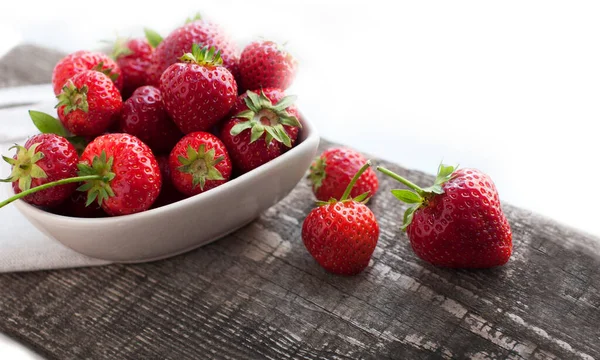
(198, 92)
(457, 222)
(89, 103)
(180, 41)
(332, 171)
(266, 64)
(262, 128)
(133, 57)
(342, 234)
(199, 162)
(145, 117)
(43, 159)
(80, 61)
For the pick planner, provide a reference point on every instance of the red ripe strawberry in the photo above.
(332, 171)
(180, 41)
(89, 103)
(458, 222)
(168, 193)
(342, 235)
(199, 162)
(133, 57)
(80, 61)
(45, 158)
(265, 64)
(144, 116)
(260, 130)
(200, 92)
(131, 179)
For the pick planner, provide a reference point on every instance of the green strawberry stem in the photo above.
(364, 168)
(49, 185)
(420, 196)
(406, 182)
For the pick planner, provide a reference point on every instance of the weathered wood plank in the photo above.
(258, 294)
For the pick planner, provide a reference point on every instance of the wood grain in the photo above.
(257, 294)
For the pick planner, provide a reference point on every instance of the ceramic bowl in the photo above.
(182, 226)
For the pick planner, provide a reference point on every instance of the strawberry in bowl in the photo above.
(188, 223)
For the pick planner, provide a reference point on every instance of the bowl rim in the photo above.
(311, 135)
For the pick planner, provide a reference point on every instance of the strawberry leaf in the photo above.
(408, 216)
(257, 131)
(407, 196)
(362, 197)
(154, 38)
(239, 127)
(196, 17)
(285, 103)
(47, 124)
(317, 172)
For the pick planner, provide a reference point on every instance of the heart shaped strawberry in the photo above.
(341, 234)
(457, 222)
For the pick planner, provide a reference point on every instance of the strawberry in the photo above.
(180, 41)
(80, 61)
(133, 57)
(144, 116)
(168, 193)
(265, 64)
(332, 171)
(198, 92)
(131, 178)
(259, 130)
(458, 222)
(89, 103)
(43, 159)
(199, 162)
(342, 234)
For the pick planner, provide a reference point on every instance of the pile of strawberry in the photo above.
(159, 120)
(165, 119)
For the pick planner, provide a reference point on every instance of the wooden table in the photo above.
(258, 294)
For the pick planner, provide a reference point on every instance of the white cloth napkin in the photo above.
(22, 246)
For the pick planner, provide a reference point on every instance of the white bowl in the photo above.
(185, 225)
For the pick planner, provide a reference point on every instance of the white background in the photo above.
(508, 87)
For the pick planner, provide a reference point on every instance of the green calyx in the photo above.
(317, 173)
(264, 117)
(362, 198)
(24, 167)
(201, 165)
(107, 71)
(196, 17)
(418, 197)
(73, 98)
(205, 56)
(120, 48)
(98, 189)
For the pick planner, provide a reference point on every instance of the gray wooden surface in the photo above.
(258, 294)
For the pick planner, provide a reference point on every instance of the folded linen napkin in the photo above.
(23, 247)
